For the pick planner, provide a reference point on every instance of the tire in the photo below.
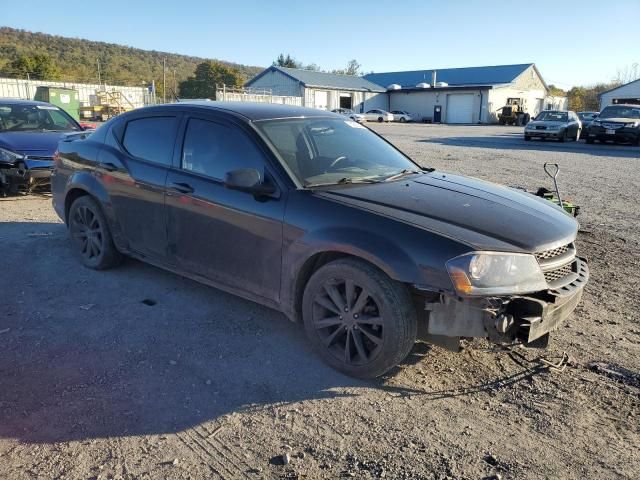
(402, 119)
(563, 138)
(527, 138)
(91, 236)
(380, 119)
(590, 140)
(363, 337)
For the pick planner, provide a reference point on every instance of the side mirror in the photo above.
(248, 180)
(532, 118)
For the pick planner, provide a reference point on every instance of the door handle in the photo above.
(108, 166)
(182, 187)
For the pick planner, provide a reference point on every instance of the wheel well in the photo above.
(312, 264)
(72, 196)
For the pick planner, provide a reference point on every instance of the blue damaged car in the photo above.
(29, 135)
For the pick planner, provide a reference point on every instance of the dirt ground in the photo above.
(138, 373)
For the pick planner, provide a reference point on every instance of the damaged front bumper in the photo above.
(25, 174)
(526, 319)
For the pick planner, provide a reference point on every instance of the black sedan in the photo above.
(616, 123)
(311, 213)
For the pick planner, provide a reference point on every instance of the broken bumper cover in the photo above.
(507, 319)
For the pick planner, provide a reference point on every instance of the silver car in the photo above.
(556, 124)
(347, 112)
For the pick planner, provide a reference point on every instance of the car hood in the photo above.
(617, 120)
(481, 214)
(546, 123)
(31, 143)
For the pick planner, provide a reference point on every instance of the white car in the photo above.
(401, 116)
(378, 115)
(347, 112)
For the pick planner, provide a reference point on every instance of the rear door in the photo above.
(134, 166)
(227, 236)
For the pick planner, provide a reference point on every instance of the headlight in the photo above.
(7, 156)
(632, 125)
(494, 273)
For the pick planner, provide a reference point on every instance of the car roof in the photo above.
(249, 110)
(627, 105)
(18, 101)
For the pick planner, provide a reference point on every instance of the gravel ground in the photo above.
(137, 373)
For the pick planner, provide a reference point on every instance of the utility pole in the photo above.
(164, 80)
(175, 86)
(99, 76)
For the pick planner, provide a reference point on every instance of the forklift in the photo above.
(513, 113)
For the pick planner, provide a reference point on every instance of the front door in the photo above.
(134, 165)
(437, 114)
(227, 236)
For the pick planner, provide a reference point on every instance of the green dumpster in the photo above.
(65, 98)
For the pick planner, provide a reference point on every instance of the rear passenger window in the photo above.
(151, 138)
(213, 149)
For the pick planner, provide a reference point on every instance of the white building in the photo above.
(321, 90)
(627, 93)
(467, 95)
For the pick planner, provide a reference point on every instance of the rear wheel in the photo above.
(360, 321)
(91, 236)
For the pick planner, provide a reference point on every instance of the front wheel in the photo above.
(380, 119)
(527, 138)
(359, 320)
(563, 138)
(590, 140)
(402, 119)
(91, 236)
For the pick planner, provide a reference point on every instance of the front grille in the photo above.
(539, 127)
(612, 126)
(32, 157)
(554, 252)
(557, 263)
(558, 273)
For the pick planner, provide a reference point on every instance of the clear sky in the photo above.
(572, 42)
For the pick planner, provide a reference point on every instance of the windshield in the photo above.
(553, 116)
(621, 112)
(23, 118)
(330, 151)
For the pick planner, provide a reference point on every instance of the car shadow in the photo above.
(137, 351)
(515, 141)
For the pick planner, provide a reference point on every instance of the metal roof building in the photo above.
(321, 90)
(465, 95)
(627, 93)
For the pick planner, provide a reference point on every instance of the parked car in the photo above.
(401, 116)
(377, 115)
(29, 134)
(585, 119)
(554, 124)
(617, 123)
(324, 220)
(347, 112)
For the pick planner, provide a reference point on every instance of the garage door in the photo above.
(320, 100)
(460, 109)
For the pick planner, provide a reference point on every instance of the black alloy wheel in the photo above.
(359, 320)
(90, 235)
